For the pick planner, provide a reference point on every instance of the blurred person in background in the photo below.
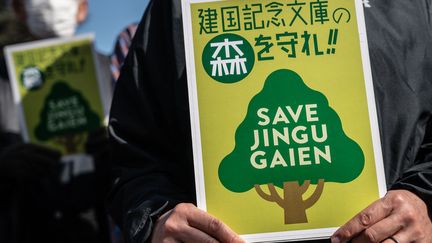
(36, 206)
(121, 49)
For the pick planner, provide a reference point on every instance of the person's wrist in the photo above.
(154, 217)
(141, 221)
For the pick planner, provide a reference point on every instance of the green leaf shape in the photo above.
(65, 111)
(286, 88)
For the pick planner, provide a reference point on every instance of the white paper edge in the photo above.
(104, 91)
(10, 49)
(13, 81)
(193, 106)
(295, 235)
(373, 117)
(196, 135)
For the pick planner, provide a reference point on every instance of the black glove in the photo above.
(29, 162)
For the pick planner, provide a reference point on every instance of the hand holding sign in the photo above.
(400, 214)
(186, 223)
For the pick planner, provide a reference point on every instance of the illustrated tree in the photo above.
(290, 139)
(65, 117)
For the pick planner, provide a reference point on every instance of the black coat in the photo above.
(150, 126)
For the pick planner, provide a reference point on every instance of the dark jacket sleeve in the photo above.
(400, 47)
(418, 177)
(149, 125)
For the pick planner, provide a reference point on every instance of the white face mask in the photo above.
(52, 18)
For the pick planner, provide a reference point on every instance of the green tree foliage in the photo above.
(65, 115)
(315, 149)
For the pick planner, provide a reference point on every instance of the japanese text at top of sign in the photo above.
(282, 17)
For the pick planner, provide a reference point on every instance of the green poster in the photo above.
(57, 91)
(284, 126)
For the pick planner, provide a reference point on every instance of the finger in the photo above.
(36, 149)
(212, 226)
(169, 240)
(41, 158)
(34, 163)
(192, 235)
(381, 230)
(36, 154)
(40, 163)
(46, 152)
(398, 238)
(368, 217)
(15, 152)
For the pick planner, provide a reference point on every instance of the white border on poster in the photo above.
(370, 94)
(295, 235)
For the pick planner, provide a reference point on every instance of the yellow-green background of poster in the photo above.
(222, 107)
(85, 82)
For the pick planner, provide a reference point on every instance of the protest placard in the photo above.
(284, 125)
(57, 91)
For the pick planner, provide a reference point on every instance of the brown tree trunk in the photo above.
(292, 201)
(293, 205)
(70, 144)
